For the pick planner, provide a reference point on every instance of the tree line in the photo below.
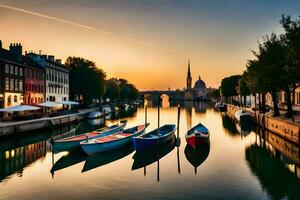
(275, 67)
(88, 83)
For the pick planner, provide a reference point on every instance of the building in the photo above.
(34, 82)
(56, 77)
(198, 92)
(11, 76)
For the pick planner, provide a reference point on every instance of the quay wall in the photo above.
(9, 128)
(285, 129)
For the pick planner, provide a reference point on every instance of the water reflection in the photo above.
(147, 157)
(196, 156)
(104, 158)
(259, 166)
(71, 158)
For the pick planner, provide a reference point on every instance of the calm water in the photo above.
(236, 165)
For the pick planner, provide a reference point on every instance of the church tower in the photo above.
(189, 78)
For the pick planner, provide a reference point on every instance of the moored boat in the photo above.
(197, 135)
(74, 141)
(155, 137)
(242, 117)
(112, 141)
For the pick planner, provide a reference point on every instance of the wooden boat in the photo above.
(103, 158)
(196, 156)
(74, 141)
(146, 157)
(197, 135)
(155, 137)
(112, 141)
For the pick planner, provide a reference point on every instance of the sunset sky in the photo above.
(147, 42)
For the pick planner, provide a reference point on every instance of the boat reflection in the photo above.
(277, 174)
(71, 158)
(196, 156)
(147, 157)
(104, 158)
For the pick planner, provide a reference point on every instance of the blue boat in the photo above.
(155, 137)
(112, 141)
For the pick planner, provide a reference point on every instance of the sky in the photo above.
(147, 42)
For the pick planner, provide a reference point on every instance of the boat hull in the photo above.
(67, 145)
(141, 143)
(195, 141)
(96, 147)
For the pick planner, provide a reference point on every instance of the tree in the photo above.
(127, 91)
(85, 79)
(243, 88)
(229, 85)
(291, 75)
(112, 89)
(270, 57)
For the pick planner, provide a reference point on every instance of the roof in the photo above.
(200, 84)
(30, 62)
(7, 55)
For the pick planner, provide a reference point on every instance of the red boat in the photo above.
(197, 135)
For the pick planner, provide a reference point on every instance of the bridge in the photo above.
(155, 95)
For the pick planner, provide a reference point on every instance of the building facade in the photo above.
(56, 77)
(12, 76)
(34, 82)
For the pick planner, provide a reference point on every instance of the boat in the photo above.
(74, 141)
(148, 156)
(221, 107)
(197, 135)
(242, 116)
(97, 114)
(103, 158)
(155, 137)
(112, 141)
(196, 156)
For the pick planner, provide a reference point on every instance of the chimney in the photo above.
(44, 56)
(51, 58)
(58, 61)
(16, 49)
(0, 44)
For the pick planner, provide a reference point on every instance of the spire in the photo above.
(189, 69)
(199, 77)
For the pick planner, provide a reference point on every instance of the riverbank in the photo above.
(279, 125)
(9, 128)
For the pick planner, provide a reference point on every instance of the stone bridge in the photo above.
(155, 95)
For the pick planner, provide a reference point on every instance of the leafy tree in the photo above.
(85, 79)
(243, 88)
(270, 57)
(127, 91)
(291, 75)
(229, 85)
(112, 89)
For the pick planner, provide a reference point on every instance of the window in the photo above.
(21, 71)
(6, 83)
(297, 97)
(15, 98)
(16, 84)
(21, 85)
(7, 68)
(11, 84)
(11, 69)
(16, 70)
(9, 100)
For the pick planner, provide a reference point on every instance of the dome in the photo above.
(199, 84)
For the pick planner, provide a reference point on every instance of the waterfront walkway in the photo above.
(14, 123)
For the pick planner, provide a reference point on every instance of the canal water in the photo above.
(237, 164)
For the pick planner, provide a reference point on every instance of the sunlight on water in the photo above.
(236, 165)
